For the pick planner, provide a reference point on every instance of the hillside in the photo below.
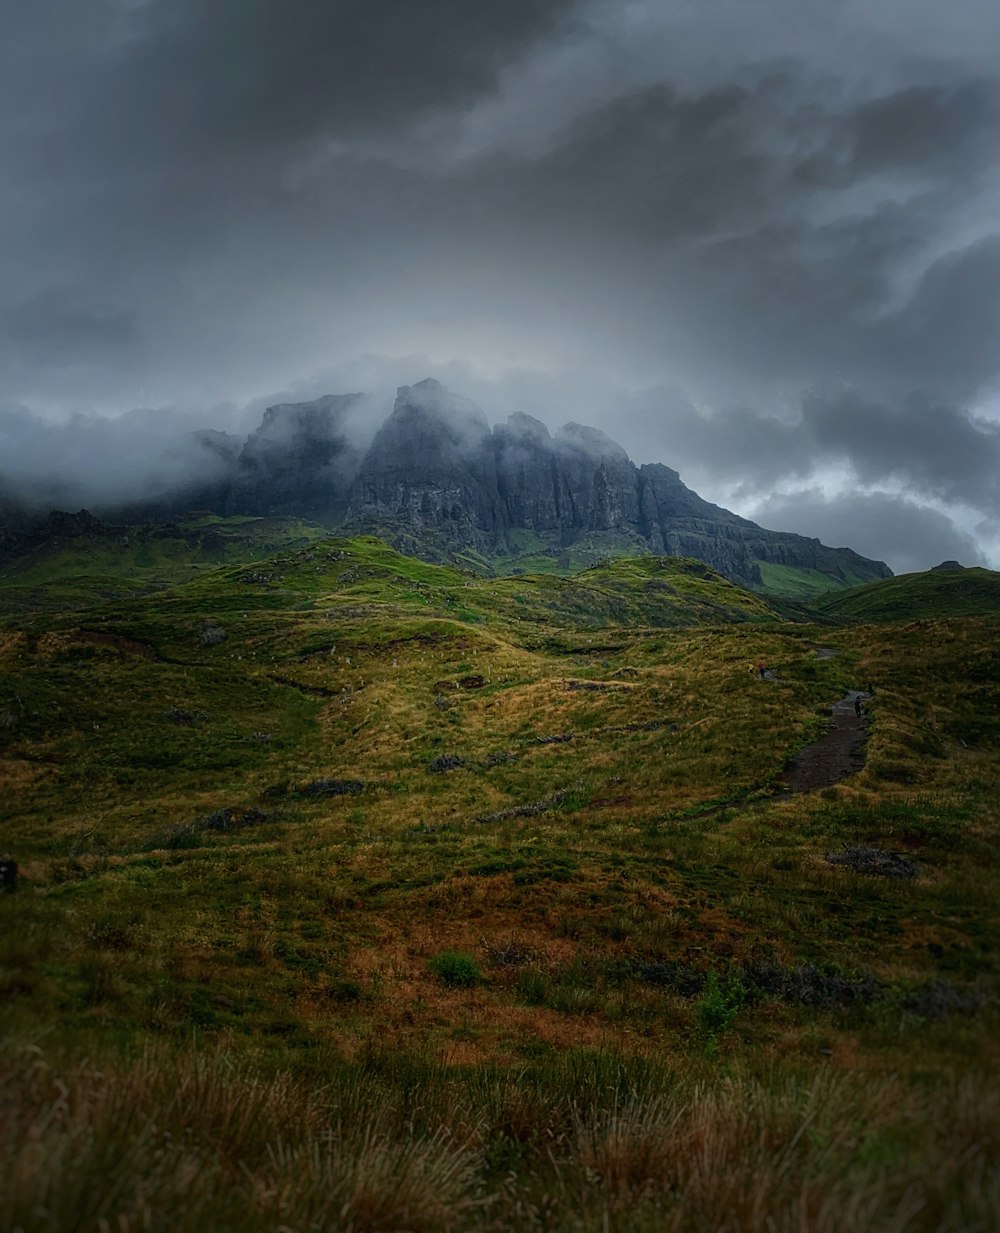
(363, 892)
(77, 560)
(934, 593)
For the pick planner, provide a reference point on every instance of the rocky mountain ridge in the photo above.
(437, 481)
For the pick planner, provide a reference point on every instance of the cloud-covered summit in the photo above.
(743, 201)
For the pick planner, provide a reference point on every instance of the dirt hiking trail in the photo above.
(839, 752)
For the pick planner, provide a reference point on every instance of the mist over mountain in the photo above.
(438, 481)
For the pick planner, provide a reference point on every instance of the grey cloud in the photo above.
(658, 163)
(737, 445)
(741, 265)
(945, 338)
(227, 149)
(921, 127)
(906, 535)
(100, 462)
(55, 327)
(674, 162)
(241, 77)
(921, 130)
(930, 447)
(925, 446)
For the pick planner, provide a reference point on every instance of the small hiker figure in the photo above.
(857, 705)
(871, 690)
(8, 872)
(761, 669)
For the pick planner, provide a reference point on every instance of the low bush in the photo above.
(455, 969)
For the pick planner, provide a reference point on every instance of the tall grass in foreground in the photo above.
(196, 1141)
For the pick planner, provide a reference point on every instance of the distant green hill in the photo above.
(362, 577)
(936, 593)
(76, 561)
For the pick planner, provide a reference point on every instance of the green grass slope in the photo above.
(362, 893)
(110, 562)
(935, 593)
(794, 582)
(76, 571)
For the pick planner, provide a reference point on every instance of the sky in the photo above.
(757, 240)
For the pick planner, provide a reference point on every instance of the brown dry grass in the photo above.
(196, 1140)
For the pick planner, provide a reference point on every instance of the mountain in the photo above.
(431, 467)
(438, 482)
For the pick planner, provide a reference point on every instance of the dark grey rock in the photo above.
(431, 467)
(444, 763)
(300, 461)
(333, 787)
(876, 862)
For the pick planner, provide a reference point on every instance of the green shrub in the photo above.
(453, 968)
(720, 1003)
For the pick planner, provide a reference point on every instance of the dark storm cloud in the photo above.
(205, 166)
(906, 535)
(733, 200)
(919, 129)
(654, 165)
(928, 447)
(765, 225)
(54, 328)
(674, 163)
(931, 448)
(946, 336)
(179, 82)
(252, 72)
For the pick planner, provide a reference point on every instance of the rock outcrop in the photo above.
(431, 467)
(300, 462)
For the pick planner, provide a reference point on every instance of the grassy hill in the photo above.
(109, 562)
(796, 582)
(365, 893)
(103, 562)
(935, 593)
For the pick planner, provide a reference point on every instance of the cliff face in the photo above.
(299, 462)
(578, 481)
(528, 479)
(437, 481)
(431, 467)
(598, 479)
